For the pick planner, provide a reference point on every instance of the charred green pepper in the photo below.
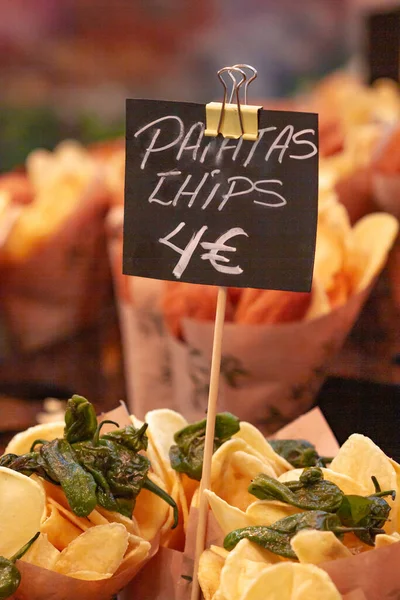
(299, 453)
(371, 512)
(80, 420)
(10, 577)
(77, 483)
(186, 456)
(311, 492)
(277, 536)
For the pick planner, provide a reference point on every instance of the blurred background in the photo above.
(66, 66)
(66, 69)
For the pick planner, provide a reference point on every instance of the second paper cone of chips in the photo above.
(276, 347)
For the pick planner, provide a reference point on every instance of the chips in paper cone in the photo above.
(239, 573)
(91, 557)
(55, 252)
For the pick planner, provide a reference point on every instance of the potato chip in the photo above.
(90, 575)
(383, 539)
(255, 439)
(137, 553)
(60, 531)
(374, 236)
(266, 512)
(344, 482)
(228, 517)
(329, 255)
(114, 517)
(292, 581)
(320, 304)
(210, 567)
(315, 547)
(81, 523)
(275, 306)
(42, 553)
(243, 565)
(150, 511)
(22, 509)
(100, 549)
(220, 551)
(360, 459)
(396, 467)
(163, 424)
(97, 518)
(22, 442)
(233, 467)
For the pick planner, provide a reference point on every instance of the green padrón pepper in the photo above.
(10, 577)
(371, 512)
(78, 484)
(311, 492)
(277, 536)
(186, 456)
(299, 453)
(80, 420)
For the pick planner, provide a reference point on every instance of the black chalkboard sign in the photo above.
(215, 210)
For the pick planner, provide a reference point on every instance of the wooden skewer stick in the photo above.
(209, 440)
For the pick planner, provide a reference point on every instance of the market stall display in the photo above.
(283, 511)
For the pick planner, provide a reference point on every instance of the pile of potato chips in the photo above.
(96, 548)
(249, 572)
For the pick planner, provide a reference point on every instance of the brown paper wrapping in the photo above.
(64, 284)
(387, 196)
(269, 374)
(41, 584)
(373, 575)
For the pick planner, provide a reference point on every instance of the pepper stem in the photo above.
(376, 483)
(36, 442)
(96, 436)
(24, 549)
(155, 489)
(386, 493)
(356, 529)
(326, 459)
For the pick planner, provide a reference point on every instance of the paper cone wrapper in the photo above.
(373, 575)
(387, 195)
(63, 285)
(144, 338)
(355, 192)
(269, 374)
(41, 584)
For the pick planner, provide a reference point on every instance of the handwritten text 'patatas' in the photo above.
(167, 133)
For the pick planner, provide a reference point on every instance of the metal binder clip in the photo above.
(233, 120)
